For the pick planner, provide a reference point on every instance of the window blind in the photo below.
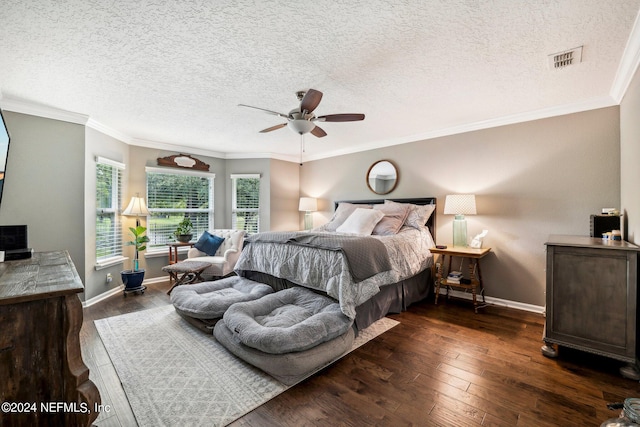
(246, 202)
(171, 197)
(108, 202)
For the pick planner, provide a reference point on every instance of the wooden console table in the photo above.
(41, 367)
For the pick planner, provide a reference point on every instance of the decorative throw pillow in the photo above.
(394, 216)
(208, 243)
(418, 214)
(343, 211)
(361, 221)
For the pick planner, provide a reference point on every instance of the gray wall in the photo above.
(99, 144)
(50, 186)
(140, 157)
(531, 180)
(630, 159)
(284, 197)
(44, 186)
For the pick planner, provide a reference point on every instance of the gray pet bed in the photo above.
(208, 301)
(289, 334)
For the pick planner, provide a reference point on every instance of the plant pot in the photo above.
(184, 238)
(132, 279)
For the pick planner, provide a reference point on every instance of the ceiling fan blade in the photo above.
(310, 100)
(275, 113)
(317, 131)
(276, 127)
(340, 118)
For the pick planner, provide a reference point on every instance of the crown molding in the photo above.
(107, 130)
(628, 63)
(274, 156)
(33, 109)
(592, 104)
(175, 148)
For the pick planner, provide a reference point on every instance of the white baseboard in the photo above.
(102, 296)
(155, 280)
(456, 294)
(118, 289)
(496, 301)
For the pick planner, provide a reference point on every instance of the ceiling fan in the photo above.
(301, 120)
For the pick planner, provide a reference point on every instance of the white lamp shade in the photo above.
(460, 204)
(137, 207)
(308, 204)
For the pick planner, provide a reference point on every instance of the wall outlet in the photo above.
(109, 278)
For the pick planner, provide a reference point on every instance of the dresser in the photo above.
(592, 298)
(44, 380)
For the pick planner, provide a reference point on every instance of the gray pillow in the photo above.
(394, 216)
(418, 214)
(294, 319)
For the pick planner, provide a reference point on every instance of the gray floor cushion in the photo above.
(288, 368)
(210, 300)
(294, 319)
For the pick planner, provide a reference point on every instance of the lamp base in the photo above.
(459, 231)
(308, 220)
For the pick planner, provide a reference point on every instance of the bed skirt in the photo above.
(393, 298)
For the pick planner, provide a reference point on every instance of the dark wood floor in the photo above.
(443, 365)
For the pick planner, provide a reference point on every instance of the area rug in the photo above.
(174, 374)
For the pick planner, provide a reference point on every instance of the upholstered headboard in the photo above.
(431, 223)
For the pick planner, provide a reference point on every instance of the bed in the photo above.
(367, 295)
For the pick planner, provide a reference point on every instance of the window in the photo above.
(245, 202)
(173, 196)
(108, 202)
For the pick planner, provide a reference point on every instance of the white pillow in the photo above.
(341, 214)
(361, 221)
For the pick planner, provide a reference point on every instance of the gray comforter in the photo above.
(328, 270)
(365, 255)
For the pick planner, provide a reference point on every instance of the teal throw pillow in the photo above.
(208, 243)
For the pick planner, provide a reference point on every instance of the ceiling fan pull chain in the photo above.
(301, 147)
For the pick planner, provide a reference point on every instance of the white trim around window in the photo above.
(168, 206)
(108, 221)
(245, 208)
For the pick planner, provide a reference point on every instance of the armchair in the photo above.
(225, 258)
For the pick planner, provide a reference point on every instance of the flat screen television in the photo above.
(4, 152)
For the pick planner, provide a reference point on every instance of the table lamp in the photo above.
(460, 205)
(308, 205)
(137, 207)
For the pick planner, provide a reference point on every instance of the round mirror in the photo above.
(382, 177)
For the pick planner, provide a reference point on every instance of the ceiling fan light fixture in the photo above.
(301, 126)
(302, 120)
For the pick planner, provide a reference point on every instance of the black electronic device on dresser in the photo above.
(13, 242)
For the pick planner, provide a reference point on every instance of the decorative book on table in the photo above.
(454, 276)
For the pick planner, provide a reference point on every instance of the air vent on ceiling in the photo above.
(566, 58)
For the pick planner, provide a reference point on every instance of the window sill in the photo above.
(163, 251)
(157, 252)
(110, 262)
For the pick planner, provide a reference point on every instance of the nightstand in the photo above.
(474, 281)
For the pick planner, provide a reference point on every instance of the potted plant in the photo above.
(132, 279)
(184, 231)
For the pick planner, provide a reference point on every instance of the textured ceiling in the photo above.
(172, 73)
